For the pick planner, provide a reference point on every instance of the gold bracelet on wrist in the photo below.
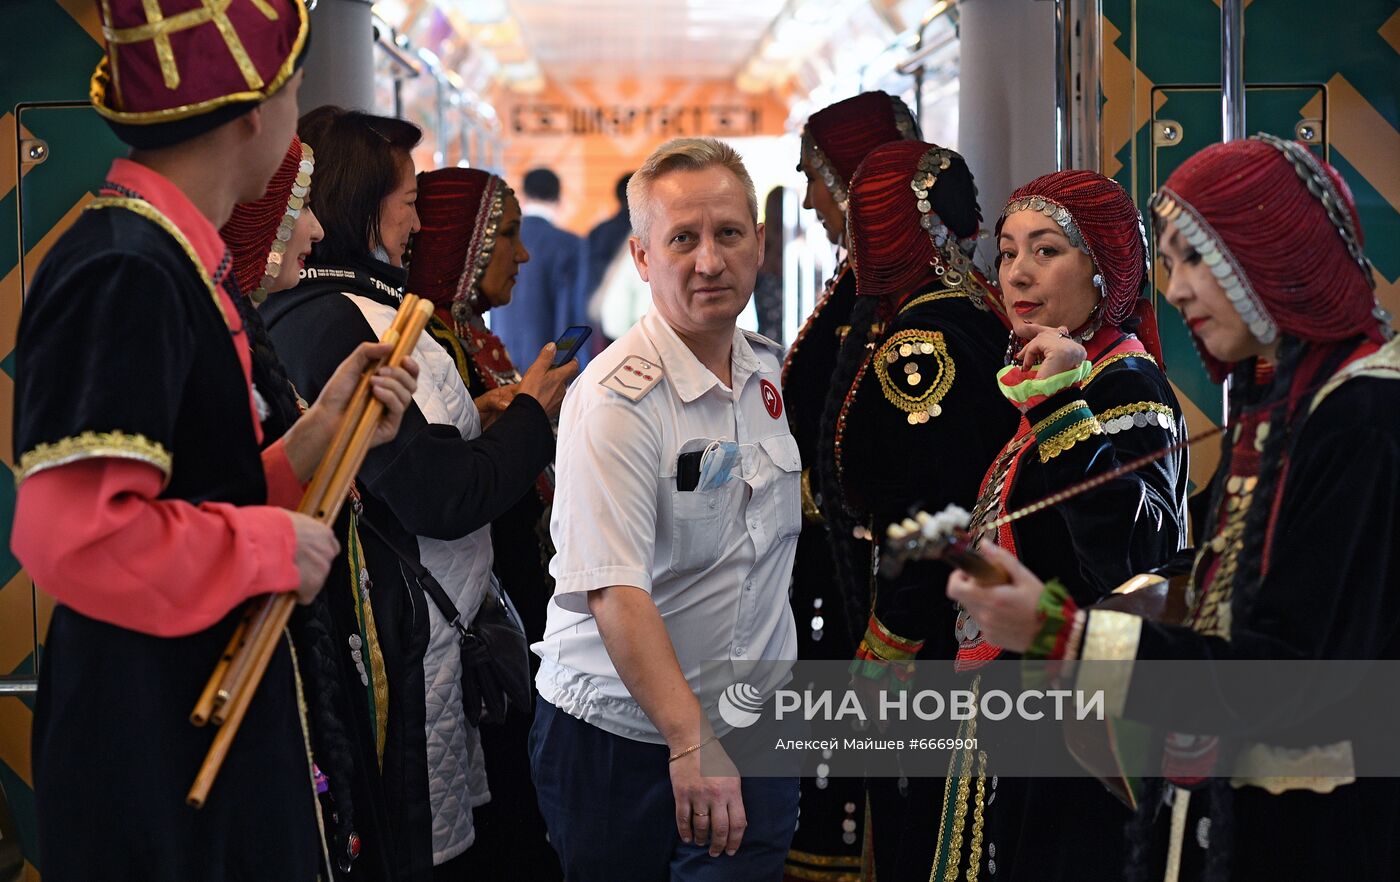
(691, 749)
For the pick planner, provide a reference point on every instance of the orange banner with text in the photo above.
(591, 132)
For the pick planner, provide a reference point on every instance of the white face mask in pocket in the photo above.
(722, 460)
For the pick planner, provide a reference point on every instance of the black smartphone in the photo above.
(567, 346)
(688, 470)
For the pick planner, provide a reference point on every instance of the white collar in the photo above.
(691, 378)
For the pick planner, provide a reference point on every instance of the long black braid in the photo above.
(1277, 449)
(312, 626)
(851, 556)
(1143, 855)
(1278, 446)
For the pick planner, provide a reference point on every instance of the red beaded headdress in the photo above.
(836, 138)
(1279, 230)
(460, 210)
(1099, 218)
(913, 220)
(172, 61)
(257, 232)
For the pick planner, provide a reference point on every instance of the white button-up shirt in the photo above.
(717, 563)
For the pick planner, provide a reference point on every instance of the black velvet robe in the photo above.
(891, 465)
(120, 333)
(1329, 592)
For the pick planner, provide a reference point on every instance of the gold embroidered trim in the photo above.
(213, 12)
(152, 214)
(92, 445)
(974, 849)
(439, 331)
(1050, 447)
(1319, 769)
(1060, 413)
(306, 743)
(1062, 441)
(1384, 363)
(885, 644)
(795, 871)
(907, 347)
(1109, 636)
(824, 860)
(1114, 359)
(962, 771)
(941, 295)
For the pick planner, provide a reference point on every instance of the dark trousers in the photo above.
(608, 804)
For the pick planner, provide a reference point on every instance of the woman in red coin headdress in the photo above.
(1263, 246)
(1071, 262)
(827, 844)
(464, 259)
(912, 418)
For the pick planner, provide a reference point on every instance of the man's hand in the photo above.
(1052, 348)
(310, 436)
(494, 403)
(709, 808)
(1007, 614)
(546, 384)
(316, 549)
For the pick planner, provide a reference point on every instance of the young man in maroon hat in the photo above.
(145, 505)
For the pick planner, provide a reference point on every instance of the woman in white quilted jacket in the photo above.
(435, 491)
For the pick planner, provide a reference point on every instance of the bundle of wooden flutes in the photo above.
(240, 669)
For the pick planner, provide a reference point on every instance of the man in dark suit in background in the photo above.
(545, 301)
(606, 243)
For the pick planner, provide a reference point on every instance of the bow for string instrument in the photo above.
(240, 668)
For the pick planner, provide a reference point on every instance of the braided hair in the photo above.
(849, 555)
(311, 626)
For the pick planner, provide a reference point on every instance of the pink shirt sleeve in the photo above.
(94, 535)
(284, 488)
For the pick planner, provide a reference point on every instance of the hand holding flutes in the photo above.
(241, 666)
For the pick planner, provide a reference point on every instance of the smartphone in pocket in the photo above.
(569, 343)
(688, 470)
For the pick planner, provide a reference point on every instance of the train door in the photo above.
(1311, 73)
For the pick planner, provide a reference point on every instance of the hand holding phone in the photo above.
(569, 344)
(546, 383)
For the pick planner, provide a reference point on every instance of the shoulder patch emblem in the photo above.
(915, 372)
(633, 378)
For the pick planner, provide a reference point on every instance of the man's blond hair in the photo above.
(683, 154)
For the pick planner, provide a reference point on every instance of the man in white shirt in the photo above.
(676, 519)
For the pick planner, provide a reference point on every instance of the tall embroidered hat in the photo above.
(838, 137)
(257, 232)
(460, 211)
(1278, 227)
(176, 68)
(1099, 218)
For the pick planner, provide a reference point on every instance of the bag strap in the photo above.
(426, 581)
